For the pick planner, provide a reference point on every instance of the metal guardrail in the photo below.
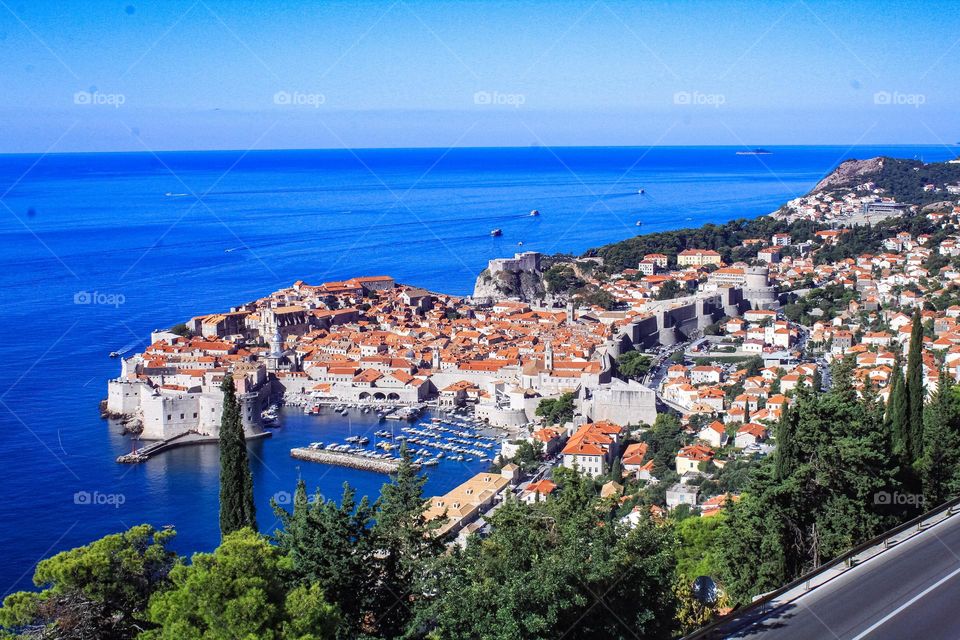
(756, 610)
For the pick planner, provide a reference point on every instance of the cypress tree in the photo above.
(915, 392)
(817, 381)
(898, 414)
(785, 459)
(236, 482)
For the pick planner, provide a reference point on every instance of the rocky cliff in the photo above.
(850, 172)
(521, 285)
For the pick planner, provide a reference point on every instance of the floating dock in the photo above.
(345, 460)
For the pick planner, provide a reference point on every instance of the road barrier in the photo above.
(758, 609)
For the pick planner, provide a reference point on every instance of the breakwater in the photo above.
(345, 460)
(182, 440)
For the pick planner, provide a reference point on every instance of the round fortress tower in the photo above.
(757, 290)
(757, 278)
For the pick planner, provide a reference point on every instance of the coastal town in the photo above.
(481, 321)
(688, 352)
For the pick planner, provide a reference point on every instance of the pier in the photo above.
(345, 460)
(182, 440)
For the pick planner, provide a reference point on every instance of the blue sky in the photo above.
(205, 74)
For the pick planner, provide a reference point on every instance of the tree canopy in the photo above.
(239, 591)
(557, 410)
(633, 365)
(99, 590)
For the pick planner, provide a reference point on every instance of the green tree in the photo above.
(239, 591)
(898, 414)
(664, 439)
(940, 463)
(540, 572)
(633, 365)
(529, 456)
(915, 391)
(100, 590)
(237, 509)
(693, 614)
(820, 497)
(562, 278)
(557, 410)
(669, 290)
(181, 330)
(331, 546)
(405, 545)
(786, 455)
(697, 550)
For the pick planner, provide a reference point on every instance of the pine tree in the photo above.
(941, 449)
(329, 545)
(404, 543)
(816, 496)
(915, 393)
(236, 482)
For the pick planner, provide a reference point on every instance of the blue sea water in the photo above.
(150, 240)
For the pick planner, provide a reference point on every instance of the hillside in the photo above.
(727, 239)
(901, 179)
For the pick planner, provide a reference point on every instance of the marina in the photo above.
(441, 439)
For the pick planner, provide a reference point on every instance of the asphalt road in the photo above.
(906, 592)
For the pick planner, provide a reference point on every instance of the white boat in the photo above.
(496, 232)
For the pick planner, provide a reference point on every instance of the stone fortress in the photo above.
(526, 261)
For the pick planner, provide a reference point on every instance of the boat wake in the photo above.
(122, 350)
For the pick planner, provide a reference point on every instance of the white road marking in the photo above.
(906, 604)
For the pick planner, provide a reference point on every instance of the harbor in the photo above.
(374, 443)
